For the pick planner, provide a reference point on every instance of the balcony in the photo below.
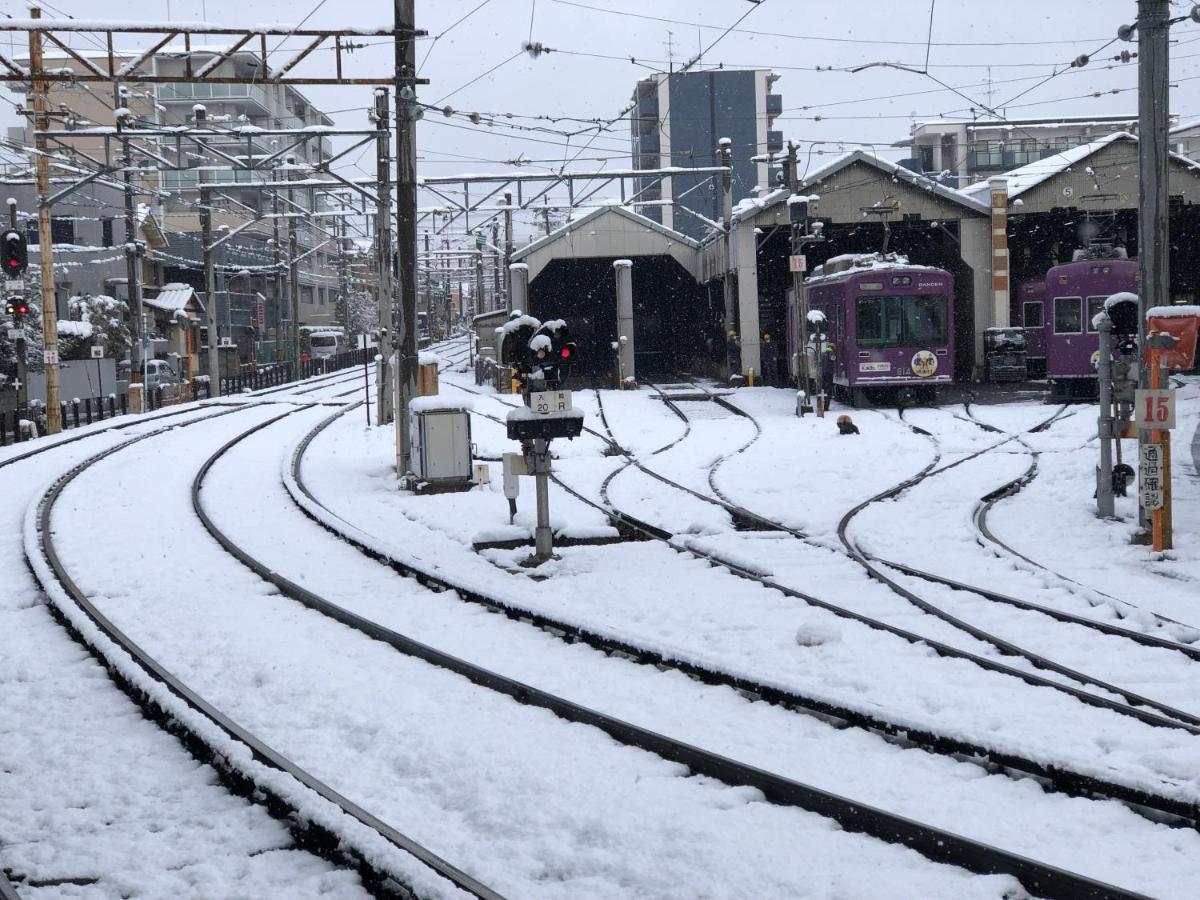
(253, 98)
(774, 141)
(774, 105)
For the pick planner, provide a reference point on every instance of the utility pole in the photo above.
(41, 124)
(495, 304)
(133, 269)
(406, 225)
(1153, 28)
(210, 293)
(293, 277)
(508, 248)
(804, 376)
(275, 267)
(479, 305)
(383, 250)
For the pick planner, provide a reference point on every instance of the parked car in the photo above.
(325, 344)
(156, 372)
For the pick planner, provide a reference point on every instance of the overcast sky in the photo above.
(591, 75)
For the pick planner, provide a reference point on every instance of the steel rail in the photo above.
(988, 501)
(1134, 700)
(933, 843)
(309, 833)
(902, 734)
(1170, 717)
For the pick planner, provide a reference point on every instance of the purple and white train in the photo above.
(1073, 293)
(891, 326)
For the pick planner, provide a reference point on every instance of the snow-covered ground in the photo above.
(532, 805)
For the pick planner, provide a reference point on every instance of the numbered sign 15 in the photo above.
(1155, 409)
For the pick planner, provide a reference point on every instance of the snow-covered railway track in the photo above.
(1057, 774)
(1133, 703)
(1160, 717)
(877, 569)
(248, 765)
(203, 611)
(853, 816)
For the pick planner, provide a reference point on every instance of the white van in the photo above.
(324, 344)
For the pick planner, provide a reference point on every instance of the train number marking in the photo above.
(1155, 409)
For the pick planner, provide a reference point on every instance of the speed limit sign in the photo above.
(1155, 409)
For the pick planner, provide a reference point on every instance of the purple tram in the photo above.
(891, 325)
(1029, 311)
(1075, 292)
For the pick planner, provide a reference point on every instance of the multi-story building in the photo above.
(679, 119)
(245, 282)
(961, 153)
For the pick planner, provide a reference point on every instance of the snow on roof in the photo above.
(625, 213)
(750, 206)
(77, 329)
(438, 403)
(857, 263)
(1172, 312)
(1032, 174)
(173, 297)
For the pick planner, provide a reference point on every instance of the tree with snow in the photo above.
(109, 322)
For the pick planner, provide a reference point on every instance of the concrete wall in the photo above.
(79, 378)
(976, 250)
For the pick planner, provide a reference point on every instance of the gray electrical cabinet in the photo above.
(441, 447)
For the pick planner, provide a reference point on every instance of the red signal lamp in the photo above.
(566, 353)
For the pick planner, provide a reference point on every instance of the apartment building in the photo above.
(958, 153)
(248, 294)
(678, 120)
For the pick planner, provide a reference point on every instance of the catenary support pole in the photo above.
(384, 253)
(508, 249)
(133, 268)
(406, 226)
(803, 375)
(293, 278)
(1105, 503)
(1153, 209)
(210, 293)
(41, 123)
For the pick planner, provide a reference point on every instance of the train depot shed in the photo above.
(1089, 194)
(571, 275)
(866, 204)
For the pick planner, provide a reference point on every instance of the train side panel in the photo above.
(1075, 292)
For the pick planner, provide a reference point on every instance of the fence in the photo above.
(25, 423)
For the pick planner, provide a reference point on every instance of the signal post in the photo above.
(541, 354)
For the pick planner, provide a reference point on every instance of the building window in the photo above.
(988, 154)
(106, 231)
(1068, 315)
(62, 231)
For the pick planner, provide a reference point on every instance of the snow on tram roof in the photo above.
(857, 263)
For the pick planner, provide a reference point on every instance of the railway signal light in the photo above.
(16, 308)
(14, 255)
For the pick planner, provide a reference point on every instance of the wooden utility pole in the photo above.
(1154, 108)
(41, 124)
(133, 267)
(406, 226)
